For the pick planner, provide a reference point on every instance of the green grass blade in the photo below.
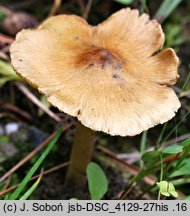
(158, 142)
(32, 188)
(125, 2)
(174, 128)
(166, 8)
(185, 83)
(144, 7)
(35, 167)
(143, 147)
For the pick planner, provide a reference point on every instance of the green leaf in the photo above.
(185, 142)
(184, 169)
(36, 166)
(150, 155)
(4, 80)
(186, 198)
(166, 8)
(175, 149)
(172, 190)
(125, 2)
(7, 70)
(163, 185)
(167, 189)
(180, 161)
(97, 181)
(151, 163)
(151, 158)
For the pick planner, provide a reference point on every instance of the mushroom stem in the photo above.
(81, 155)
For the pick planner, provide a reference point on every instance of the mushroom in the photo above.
(111, 77)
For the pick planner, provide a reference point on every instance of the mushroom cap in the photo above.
(112, 77)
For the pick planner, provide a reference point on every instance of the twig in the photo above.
(151, 180)
(5, 10)
(31, 154)
(8, 106)
(8, 115)
(55, 8)
(4, 56)
(87, 9)
(81, 6)
(5, 39)
(176, 140)
(6, 49)
(62, 165)
(36, 101)
(171, 158)
(125, 193)
(7, 183)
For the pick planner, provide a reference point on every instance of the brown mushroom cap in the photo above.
(108, 76)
